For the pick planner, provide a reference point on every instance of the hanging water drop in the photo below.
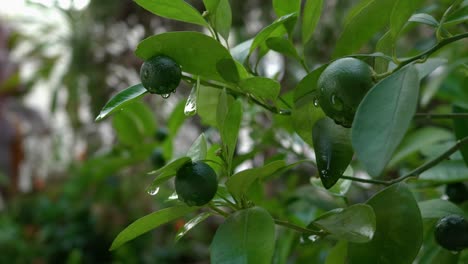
(165, 96)
(313, 238)
(336, 102)
(153, 191)
(316, 102)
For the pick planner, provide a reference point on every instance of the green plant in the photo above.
(160, 75)
(378, 97)
(451, 232)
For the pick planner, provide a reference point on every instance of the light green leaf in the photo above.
(354, 224)
(383, 118)
(144, 116)
(399, 232)
(424, 18)
(438, 208)
(173, 9)
(247, 236)
(461, 131)
(191, 224)
(241, 51)
(446, 172)
(149, 222)
(283, 46)
(207, 101)
(200, 58)
(127, 129)
(401, 12)
(310, 18)
(120, 99)
(284, 7)
(222, 19)
(261, 87)
(338, 253)
(227, 68)
(198, 149)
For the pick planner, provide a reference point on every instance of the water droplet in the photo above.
(313, 238)
(316, 102)
(153, 191)
(173, 197)
(454, 252)
(165, 96)
(146, 73)
(324, 173)
(336, 102)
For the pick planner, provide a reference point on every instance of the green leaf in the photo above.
(284, 7)
(208, 99)
(200, 58)
(127, 130)
(190, 108)
(399, 232)
(266, 32)
(401, 12)
(457, 17)
(461, 131)
(438, 208)
(338, 253)
(385, 46)
(229, 116)
(363, 21)
(165, 173)
(283, 46)
(149, 222)
(354, 224)
(211, 5)
(221, 17)
(120, 99)
(333, 151)
(446, 172)
(383, 118)
(145, 117)
(198, 149)
(424, 18)
(173, 9)
(261, 87)
(227, 68)
(239, 183)
(241, 51)
(415, 141)
(310, 18)
(191, 224)
(247, 236)
(429, 66)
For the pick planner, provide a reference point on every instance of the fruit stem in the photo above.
(299, 228)
(441, 116)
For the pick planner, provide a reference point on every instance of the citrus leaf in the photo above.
(165, 173)
(401, 12)
(424, 18)
(283, 46)
(231, 127)
(222, 18)
(191, 224)
(284, 7)
(399, 232)
(461, 130)
(173, 45)
(261, 87)
(208, 99)
(362, 22)
(120, 99)
(143, 115)
(198, 149)
(310, 18)
(266, 32)
(438, 208)
(338, 253)
(173, 9)
(241, 51)
(227, 68)
(149, 222)
(446, 172)
(333, 151)
(247, 236)
(354, 224)
(127, 129)
(383, 118)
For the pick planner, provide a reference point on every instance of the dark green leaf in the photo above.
(354, 224)
(191, 224)
(200, 58)
(149, 222)
(384, 45)
(446, 172)
(333, 151)
(401, 12)
(227, 68)
(399, 232)
(282, 45)
(310, 18)
(261, 87)
(438, 208)
(424, 18)
(229, 116)
(461, 130)
(173, 9)
(120, 99)
(247, 236)
(165, 173)
(457, 17)
(383, 118)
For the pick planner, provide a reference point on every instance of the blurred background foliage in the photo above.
(69, 185)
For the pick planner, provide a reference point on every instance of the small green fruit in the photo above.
(451, 232)
(196, 183)
(160, 75)
(456, 192)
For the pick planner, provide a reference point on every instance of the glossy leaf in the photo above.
(120, 99)
(363, 21)
(399, 232)
(173, 9)
(283, 46)
(200, 58)
(241, 51)
(199, 149)
(401, 12)
(227, 68)
(261, 87)
(446, 172)
(333, 151)
(165, 173)
(438, 208)
(149, 222)
(310, 18)
(191, 224)
(461, 131)
(424, 18)
(383, 118)
(354, 224)
(247, 236)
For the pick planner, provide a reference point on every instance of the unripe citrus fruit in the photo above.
(451, 232)
(341, 87)
(196, 183)
(160, 75)
(161, 134)
(157, 158)
(456, 192)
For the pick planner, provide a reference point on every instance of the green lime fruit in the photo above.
(196, 183)
(161, 134)
(451, 232)
(341, 87)
(456, 192)
(160, 75)
(157, 158)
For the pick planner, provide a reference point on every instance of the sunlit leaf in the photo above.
(120, 99)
